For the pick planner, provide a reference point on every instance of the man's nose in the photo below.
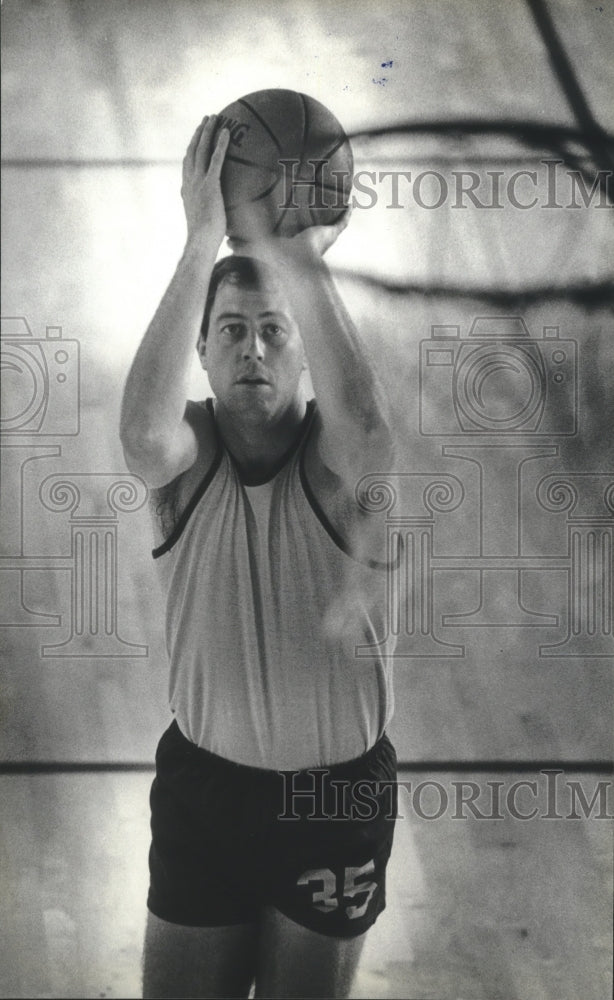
(253, 346)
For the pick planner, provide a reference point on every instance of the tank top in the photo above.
(266, 607)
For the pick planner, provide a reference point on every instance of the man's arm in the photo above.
(355, 434)
(158, 442)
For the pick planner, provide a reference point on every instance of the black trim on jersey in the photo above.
(339, 541)
(175, 534)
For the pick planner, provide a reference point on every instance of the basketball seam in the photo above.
(305, 126)
(327, 187)
(314, 221)
(338, 217)
(331, 152)
(263, 194)
(262, 122)
(249, 163)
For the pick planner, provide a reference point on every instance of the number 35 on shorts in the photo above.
(326, 895)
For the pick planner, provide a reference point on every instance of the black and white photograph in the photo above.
(307, 499)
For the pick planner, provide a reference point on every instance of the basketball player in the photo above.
(274, 800)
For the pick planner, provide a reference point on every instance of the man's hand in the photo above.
(311, 243)
(201, 190)
(318, 239)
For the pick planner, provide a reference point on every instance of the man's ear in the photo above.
(201, 347)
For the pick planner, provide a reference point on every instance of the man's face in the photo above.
(253, 354)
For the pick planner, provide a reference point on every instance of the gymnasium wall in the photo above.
(506, 632)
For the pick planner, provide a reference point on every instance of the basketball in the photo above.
(288, 165)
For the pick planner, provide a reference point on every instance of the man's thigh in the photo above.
(180, 961)
(296, 962)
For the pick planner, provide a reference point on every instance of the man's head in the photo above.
(250, 343)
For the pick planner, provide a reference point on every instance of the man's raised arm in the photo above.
(158, 442)
(355, 434)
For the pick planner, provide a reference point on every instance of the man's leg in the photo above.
(191, 962)
(296, 962)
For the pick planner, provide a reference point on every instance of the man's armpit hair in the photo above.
(163, 501)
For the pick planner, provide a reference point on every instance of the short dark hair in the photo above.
(245, 272)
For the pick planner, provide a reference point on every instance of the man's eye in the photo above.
(233, 330)
(273, 331)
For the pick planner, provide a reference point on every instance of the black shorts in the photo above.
(229, 839)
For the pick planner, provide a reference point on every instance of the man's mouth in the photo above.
(253, 380)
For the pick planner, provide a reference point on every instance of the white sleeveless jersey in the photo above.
(276, 635)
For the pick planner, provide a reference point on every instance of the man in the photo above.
(266, 866)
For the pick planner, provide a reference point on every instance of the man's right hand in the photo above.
(201, 190)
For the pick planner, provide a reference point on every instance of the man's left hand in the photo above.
(311, 242)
